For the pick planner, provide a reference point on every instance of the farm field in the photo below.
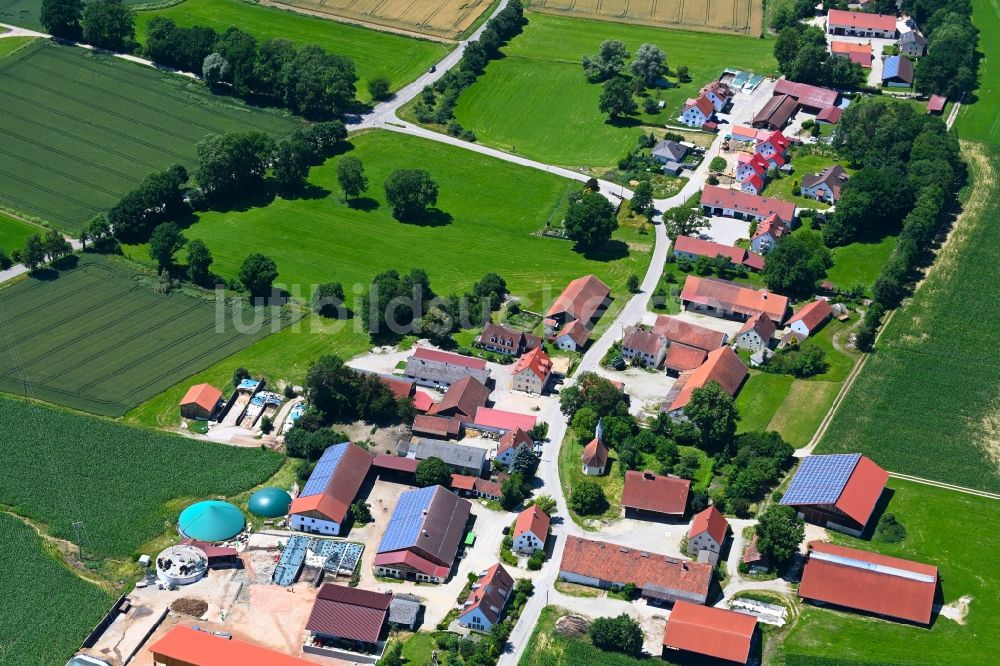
(447, 19)
(926, 401)
(98, 339)
(730, 16)
(9, 45)
(46, 610)
(13, 233)
(979, 121)
(80, 129)
(397, 58)
(82, 468)
(928, 514)
(537, 102)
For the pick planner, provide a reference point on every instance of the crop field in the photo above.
(80, 129)
(97, 339)
(397, 58)
(537, 102)
(927, 401)
(929, 515)
(13, 233)
(979, 121)
(736, 16)
(45, 610)
(446, 19)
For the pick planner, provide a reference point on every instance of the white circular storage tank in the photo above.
(181, 565)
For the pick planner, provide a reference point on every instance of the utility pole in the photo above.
(78, 526)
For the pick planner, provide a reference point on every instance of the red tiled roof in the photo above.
(735, 297)
(936, 103)
(487, 487)
(723, 366)
(536, 361)
(830, 114)
(494, 334)
(862, 20)
(396, 463)
(677, 330)
(714, 632)
(859, 53)
(751, 204)
(756, 181)
(763, 325)
(334, 502)
(581, 298)
(436, 425)
(611, 562)
(408, 558)
(190, 646)
(513, 439)
(347, 612)
(812, 314)
(653, 492)
(712, 521)
(532, 520)
(862, 490)
(462, 482)
(681, 358)
(497, 418)
(751, 555)
(869, 582)
(422, 401)
(754, 160)
(577, 332)
(775, 137)
(642, 341)
(743, 133)
(708, 248)
(772, 224)
(205, 396)
(805, 94)
(490, 594)
(399, 387)
(595, 454)
(703, 103)
(718, 87)
(428, 354)
(462, 398)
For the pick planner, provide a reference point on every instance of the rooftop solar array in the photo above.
(407, 520)
(820, 479)
(292, 557)
(350, 558)
(872, 566)
(325, 468)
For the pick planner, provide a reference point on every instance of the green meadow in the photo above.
(980, 121)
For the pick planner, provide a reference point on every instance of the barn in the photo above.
(838, 491)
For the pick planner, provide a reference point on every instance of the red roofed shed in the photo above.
(712, 632)
(184, 646)
(200, 402)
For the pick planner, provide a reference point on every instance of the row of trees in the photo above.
(801, 52)
(949, 68)
(106, 24)
(38, 249)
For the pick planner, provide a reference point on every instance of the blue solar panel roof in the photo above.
(325, 468)
(820, 479)
(407, 520)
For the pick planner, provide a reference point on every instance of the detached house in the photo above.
(531, 531)
(912, 43)
(643, 348)
(510, 443)
(810, 318)
(751, 172)
(897, 72)
(485, 606)
(756, 334)
(503, 340)
(666, 151)
(856, 53)
(697, 111)
(825, 185)
(532, 371)
(568, 320)
(707, 533)
(768, 234)
(772, 146)
(718, 93)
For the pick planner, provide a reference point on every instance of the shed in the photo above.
(200, 402)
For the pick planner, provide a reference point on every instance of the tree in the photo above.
(33, 255)
(546, 503)
(649, 63)
(409, 192)
(361, 513)
(616, 98)
(642, 199)
(491, 288)
(166, 240)
(239, 374)
(378, 88)
(889, 530)
(233, 163)
(683, 222)
(514, 491)
(633, 283)
(474, 58)
(199, 262)
(590, 221)
(682, 74)
(328, 299)
(55, 244)
(432, 472)
(539, 431)
(158, 198)
(216, 69)
(266, 425)
(797, 264)
(108, 24)
(609, 60)
(393, 656)
(779, 533)
(239, 48)
(713, 412)
(291, 167)
(536, 560)
(257, 273)
(5, 261)
(332, 388)
(319, 83)
(718, 164)
(61, 18)
(588, 499)
(351, 176)
(617, 634)
(525, 461)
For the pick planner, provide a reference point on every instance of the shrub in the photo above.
(617, 634)
(889, 530)
(536, 560)
(588, 499)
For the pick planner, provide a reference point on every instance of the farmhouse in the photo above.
(485, 606)
(678, 331)
(722, 298)
(323, 504)
(200, 402)
(460, 458)
(722, 366)
(583, 301)
(697, 111)
(825, 185)
(687, 247)
(707, 533)
(474, 486)
(404, 389)
(185, 646)
(508, 341)
(897, 72)
(856, 53)
(912, 43)
(768, 234)
(510, 443)
(643, 348)
(878, 584)
(572, 337)
(421, 540)
(532, 372)
(733, 203)
(441, 369)
(660, 579)
(462, 399)
(838, 491)
(595, 455)
(811, 317)
(646, 493)
(756, 334)
(666, 151)
(530, 531)
(719, 94)
(702, 631)
(347, 618)
(859, 24)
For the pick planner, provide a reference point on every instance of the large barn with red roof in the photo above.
(645, 493)
(185, 646)
(838, 491)
(723, 635)
(322, 506)
(349, 618)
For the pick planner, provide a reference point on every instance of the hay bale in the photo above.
(188, 606)
(574, 626)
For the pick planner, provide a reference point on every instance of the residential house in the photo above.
(348, 618)
(860, 54)
(595, 454)
(707, 533)
(756, 334)
(701, 633)
(485, 605)
(889, 587)
(507, 341)
(690, 248)
(722, 366)
(460, 458)
(897, 72)
(201, 402)
(659, 495)
(462, 399)
(643, 348)
(811, 317)
(530, 531)
(717, 200)
(825, 185)
(719, 93)
(325, 499)
(751, 172)
(697, 111)
(773, 146)
(721, 298)
(912, 43)
(666, 151)
(659, 578)
(440, 369)
(186, 646)
(532, 372)
(838, 491)
(572, 337)
(861, 24)
(768, 234)
(583, 301)
(510, 443)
